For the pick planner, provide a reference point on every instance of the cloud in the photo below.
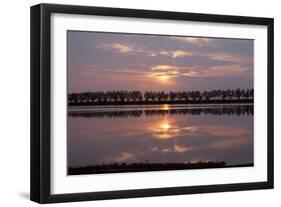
(119, 47)
(129, 48)
(151, 54)
(175, 53)
(167, 71)
(180, 53)
(199, 41)
(164, 67)
(133, 49)
(194, 71)
(114, 73)
(163, 52)
(164, 71)
(218, 71)
(223, 56)
(122, 48)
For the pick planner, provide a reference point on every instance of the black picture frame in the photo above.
(40, 184)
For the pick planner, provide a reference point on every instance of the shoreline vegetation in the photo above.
(141, 167)
(100, 98)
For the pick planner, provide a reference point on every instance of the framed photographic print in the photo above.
(133, 103)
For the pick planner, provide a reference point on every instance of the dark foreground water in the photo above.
(101, 136)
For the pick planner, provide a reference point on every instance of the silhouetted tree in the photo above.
(159, 96)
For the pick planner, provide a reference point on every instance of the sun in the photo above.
(164, 78)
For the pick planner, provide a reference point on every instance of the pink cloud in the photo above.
(199, 41)
(215, 71)
(223, 56)
(119, 47)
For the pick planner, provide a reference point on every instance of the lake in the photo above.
(160, 134)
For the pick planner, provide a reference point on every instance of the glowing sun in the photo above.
(164, 77)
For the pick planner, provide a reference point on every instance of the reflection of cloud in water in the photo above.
(165, 130)
(226, 144)
(124, 156)
(223, 131)
(171, 137)
(177, 148)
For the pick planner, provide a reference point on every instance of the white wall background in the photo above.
(14, 101)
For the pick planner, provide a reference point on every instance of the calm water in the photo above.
(98, 135)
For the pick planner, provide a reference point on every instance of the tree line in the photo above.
(124, 96)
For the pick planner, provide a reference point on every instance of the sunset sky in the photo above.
(115, 61)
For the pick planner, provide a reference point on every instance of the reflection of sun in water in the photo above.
(164, 130)
(165, 107)
(165, 126)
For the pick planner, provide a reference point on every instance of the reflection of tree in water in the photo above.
(238, 110)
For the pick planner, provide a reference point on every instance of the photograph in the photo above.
(132, 103)
(150, 102)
